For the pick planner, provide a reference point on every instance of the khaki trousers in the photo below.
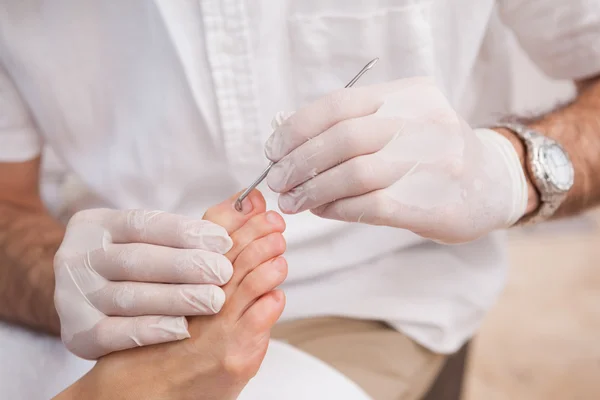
(384, 362)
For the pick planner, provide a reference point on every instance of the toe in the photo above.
(263, 314)
(225, 214)
(257, 227)
(252, 332)
(263, 279)
(256, 253)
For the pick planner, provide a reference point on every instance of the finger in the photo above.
(343, 141)
(315, 118)
(225, 214)
(96, 228)
(407, 204)
(322, 114)
(258, 252)
(373, 208)
(432, 151)
(264, 278)
(355, 177)
(256, 228)
(140, 262)
(121, 333)
(376, 208)
(130, 299)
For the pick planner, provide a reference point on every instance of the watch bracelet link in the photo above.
(550, 200)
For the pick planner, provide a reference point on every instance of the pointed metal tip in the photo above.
(238, 205)
(240, 199)
(372, 63)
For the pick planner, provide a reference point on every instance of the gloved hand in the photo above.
(127, 278)
(396, 154)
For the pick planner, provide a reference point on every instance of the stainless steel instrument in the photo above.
(263, 175)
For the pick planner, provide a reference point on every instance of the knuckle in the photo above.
(384, 210)
(126, 260)
(338, 100)
(362, 173)
(136, 219)
(123, 297)
(349, 134)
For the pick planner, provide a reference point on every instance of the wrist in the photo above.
(533, 196)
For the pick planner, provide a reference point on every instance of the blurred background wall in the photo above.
(542, 340)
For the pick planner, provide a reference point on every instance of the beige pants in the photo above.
(385, 363)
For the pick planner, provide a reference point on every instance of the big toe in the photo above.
(225, 214)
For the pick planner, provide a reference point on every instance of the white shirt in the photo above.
(166, 104)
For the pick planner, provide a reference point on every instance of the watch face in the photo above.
(557, 166)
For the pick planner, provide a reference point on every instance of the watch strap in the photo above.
(550, 197)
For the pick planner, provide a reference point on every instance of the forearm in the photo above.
(28, 242)
(576, 127)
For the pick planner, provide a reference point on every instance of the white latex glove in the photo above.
(396, 154)
(127, 278)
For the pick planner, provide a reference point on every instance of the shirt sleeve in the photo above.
(561, 36)
(19, 139)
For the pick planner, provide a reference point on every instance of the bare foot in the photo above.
(226, 349)
(236, 339)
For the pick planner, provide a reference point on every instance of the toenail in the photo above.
(247, 206)
(273, 218)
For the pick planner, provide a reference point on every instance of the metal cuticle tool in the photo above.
(263, 175)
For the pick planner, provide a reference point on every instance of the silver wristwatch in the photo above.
(550, 169)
